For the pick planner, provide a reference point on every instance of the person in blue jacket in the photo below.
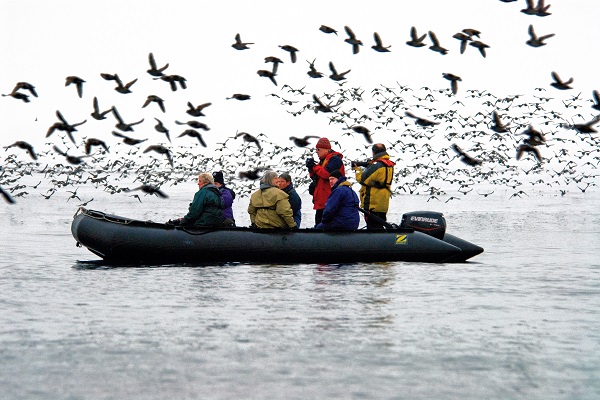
(341, 208)
(286, 184)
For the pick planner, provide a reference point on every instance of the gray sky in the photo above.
(46, 41)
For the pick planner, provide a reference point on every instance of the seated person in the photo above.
(227, 195)
(341, 208)
(269, 206)
(207, 207)
(285, 184)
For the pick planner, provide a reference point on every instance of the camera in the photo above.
(359, 163)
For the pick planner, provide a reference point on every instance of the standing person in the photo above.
(329, 161)
(269, 206)
(375, 180)
(207, 207)
(341, 209)
(286, 184)
(228, 195)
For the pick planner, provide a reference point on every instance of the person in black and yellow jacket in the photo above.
(375, 178)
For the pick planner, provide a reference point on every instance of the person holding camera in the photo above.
(375, 177)
(320, 189)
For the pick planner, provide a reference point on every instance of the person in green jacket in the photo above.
(376, 181)
(207, 207)
(269, 206)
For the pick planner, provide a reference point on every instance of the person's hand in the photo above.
(310, 163)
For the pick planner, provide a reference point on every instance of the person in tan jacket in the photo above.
(269, 206)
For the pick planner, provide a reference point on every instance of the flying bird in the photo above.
(91, 142)
(312, 71)
(160, 127)
(249, 138)
(64, 126)
(128, 140)
(154, 71)
(464, 40)
(464, 157)
(363, 131)
(480, 46)
(498, 126)
(75, 160)
(352, 40)
(121, 124)
(302, 142)
(416, 40)
(559, 84)
(174, 80)
(596, 100)
(379, 44)
(155, 99)
(527, 148)
(148, 189)
(78, 82)
(239, 45)
(96, 114)
(161, 150)
(251, 174)
(335, 75)
(326, 29)
(453, 81)
(194, 124)
(18, 95)
(239, 96)
(268, 74)
(420, 121)
(26, 86)
(25, 146)
(195, 134)
(196, 111)
(9, 199)
(436, 44)
(292, 50)
(537, 41)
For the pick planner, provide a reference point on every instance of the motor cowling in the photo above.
(430, 222)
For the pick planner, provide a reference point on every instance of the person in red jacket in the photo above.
(320, 189)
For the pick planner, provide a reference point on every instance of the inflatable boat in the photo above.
(421, 238)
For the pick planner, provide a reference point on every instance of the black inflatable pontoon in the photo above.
(122, 240)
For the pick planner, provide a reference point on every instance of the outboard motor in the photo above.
(429, 222)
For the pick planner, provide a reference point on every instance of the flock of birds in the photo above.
(443, 150)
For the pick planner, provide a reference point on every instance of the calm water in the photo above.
(522, 320)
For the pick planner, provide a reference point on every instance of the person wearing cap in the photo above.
(341, 208)
(207, 207)
(375, 180)
(269, 206)
(329, 161)
(228, 195)
(285, 183)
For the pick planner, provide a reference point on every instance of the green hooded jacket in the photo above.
(206, 209)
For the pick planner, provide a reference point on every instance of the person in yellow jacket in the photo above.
(269, 206)
(376, 181)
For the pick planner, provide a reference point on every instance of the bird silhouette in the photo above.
(161, 150)
(379, 44)
(148, 189)
(527, 148)
(587, 127)
(480, 46)
(537, 41)
(453, 81)
(196, 111)
(9, 199)
(239, 45)
(91, 142)
(121, 124)
(352, 40)
(154, 71)
(25, 146)
(128, 140)
(173, 80)
(436, 44)
(253, 174)
(326, 29)
(195, 134)
(302, 142)
(239, 96)
(160, 127)
(96, 114)
(18, 95)
(292, 50)
(78, 82)
(64, 126)
(464, 157)
(75, 160)
(415, 39)
(322, 107)
(121, 88)
(464, 40)
(248, 138)
(420, 121)
(194, 124)
(268, 74)
(498, 126)
(335, 75)
(363, 131)
(559, 84)
(312, 72)
(26, 86)
(155, 99)
(596, 100)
